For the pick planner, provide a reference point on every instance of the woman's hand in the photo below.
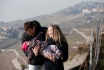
(51, 56)
(36, 50)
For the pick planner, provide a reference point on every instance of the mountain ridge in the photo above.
(60, 15)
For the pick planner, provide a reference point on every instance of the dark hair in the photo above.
(36, 23)
(28, 25)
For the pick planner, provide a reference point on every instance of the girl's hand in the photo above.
(36, 50)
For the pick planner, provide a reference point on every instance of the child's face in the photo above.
(28, 43)
(50, 31)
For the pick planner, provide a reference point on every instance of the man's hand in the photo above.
(36, 50)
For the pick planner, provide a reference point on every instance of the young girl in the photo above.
(45, 48)
(55, 36)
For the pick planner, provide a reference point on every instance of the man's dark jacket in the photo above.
(37, 60)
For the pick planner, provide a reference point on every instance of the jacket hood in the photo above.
(37, 25)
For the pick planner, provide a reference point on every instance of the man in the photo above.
(31, 30)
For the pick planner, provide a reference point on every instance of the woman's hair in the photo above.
(58, 36)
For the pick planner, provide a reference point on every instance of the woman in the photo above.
(55, 37)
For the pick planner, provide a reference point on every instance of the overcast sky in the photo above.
(11, 10)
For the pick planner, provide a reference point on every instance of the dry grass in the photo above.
(72, 54)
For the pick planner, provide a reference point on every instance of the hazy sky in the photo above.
(11, 10)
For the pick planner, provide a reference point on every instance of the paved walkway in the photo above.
(15, 61)
(77, 60)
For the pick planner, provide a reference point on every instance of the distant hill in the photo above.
(68, 16)
(78, 8)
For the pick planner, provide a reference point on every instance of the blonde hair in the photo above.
(58, 36)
